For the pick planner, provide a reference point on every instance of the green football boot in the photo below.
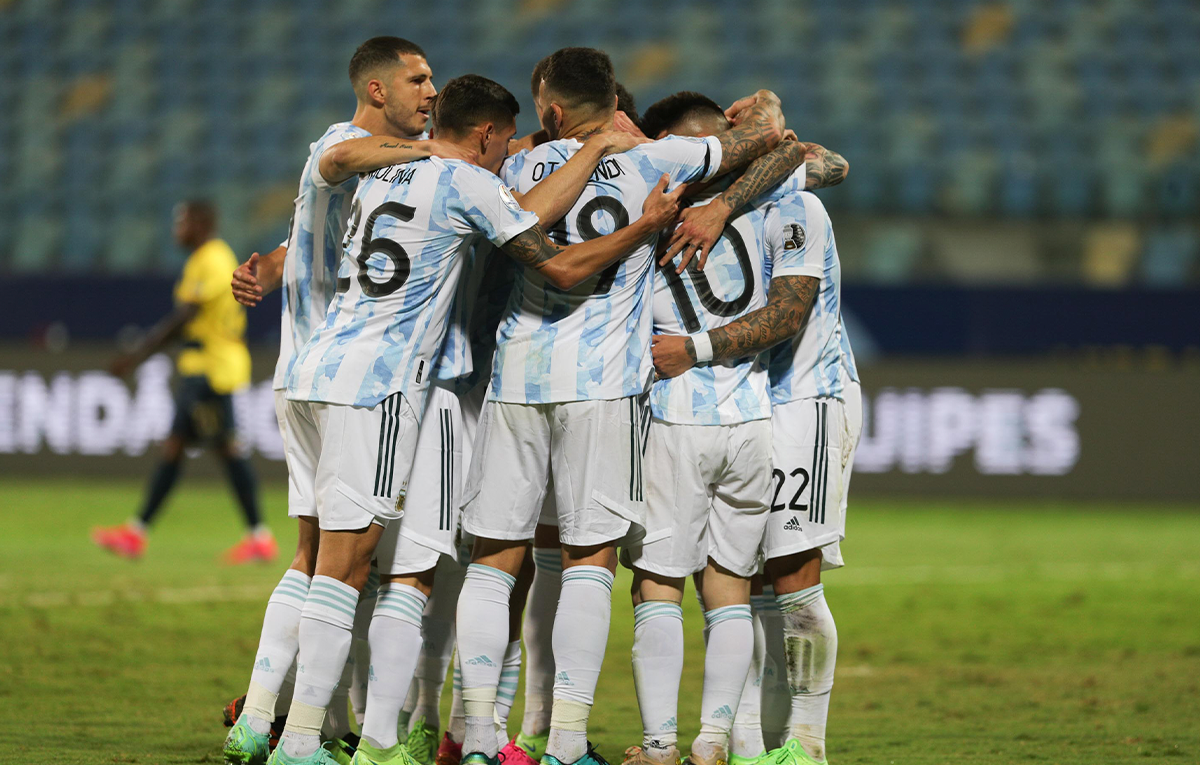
(479, 758)
(591, 758)
(397, 754)
(245, 747)
(322, 756)
(534, 746)
(792, 753)
(756, 760)
(422, 743)
(341, 751)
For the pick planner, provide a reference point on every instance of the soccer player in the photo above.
(816, 421)
(410, 550)
(357, 388)
(568, 385)
(213, 364)
(394, 91)
(709, 439)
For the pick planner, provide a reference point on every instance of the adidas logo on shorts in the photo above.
(481, 660)
(793, 525)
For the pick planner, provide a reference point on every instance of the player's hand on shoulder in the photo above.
(245, 286)
(447, 150)
(698, 230)
(622, 124)
(617, 141)
(671, 355)
(660, 208)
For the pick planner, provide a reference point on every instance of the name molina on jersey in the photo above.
(395, 174)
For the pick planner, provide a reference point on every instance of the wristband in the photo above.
(703, 346)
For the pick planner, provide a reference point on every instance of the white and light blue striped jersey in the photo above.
(314, 247)
(817, 361)
(732, 284)
(411, 229)
(591, 342)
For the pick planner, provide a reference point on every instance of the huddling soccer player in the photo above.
(816, 418)
(213, 364)
(566, 403)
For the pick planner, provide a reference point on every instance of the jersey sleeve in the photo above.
(315, 176)
(510, 171)
(484, 202)
(203, 279)
(685, 159)
(798, 235)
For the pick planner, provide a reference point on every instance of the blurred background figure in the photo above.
(212, 364)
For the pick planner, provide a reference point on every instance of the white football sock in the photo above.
(746, 739)
(482, 638)
(361, 647)
(580, 636)
(395, 643)
(404, 720)
(811, 640)
(776, 696)
(729, 649)
(277, 646)
(657, 668)
(538, 630)
(437, 648)
(325, 636)
(506, 690)
(337, 717)
(456, 729)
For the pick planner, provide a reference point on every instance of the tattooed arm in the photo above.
(700, 227)
(823, 168)
(362, 155)
(788, 303)
(758, 129)
(565, 267)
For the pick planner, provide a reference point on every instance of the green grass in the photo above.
(969, 632)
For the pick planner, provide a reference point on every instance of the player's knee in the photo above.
(796, 571)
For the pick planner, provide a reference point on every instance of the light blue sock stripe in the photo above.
(290, 590)
(487, 572)
(295, 577)
(644, 612)
(794, 601)
(725, 613)
(399, 605)
(330, 591)
(317, 601)
(548, 560)
(288, 594)
(588, 574)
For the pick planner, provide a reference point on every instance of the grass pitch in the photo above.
(969, 632)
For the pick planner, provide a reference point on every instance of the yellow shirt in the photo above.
(214, 341)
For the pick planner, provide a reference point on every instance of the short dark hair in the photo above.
(582, 76)
(535, 80)
(625, 103)
(379, 52)
(203, 210)
(470, 100)
(674, 109)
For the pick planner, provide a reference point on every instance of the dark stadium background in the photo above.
(1020, 246)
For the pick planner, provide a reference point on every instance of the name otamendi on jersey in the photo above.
(591, 342)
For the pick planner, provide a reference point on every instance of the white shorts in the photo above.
(706, 498)
(592, 449)
(814, 441)
(429, 526)
(349, 465)
(308, 510)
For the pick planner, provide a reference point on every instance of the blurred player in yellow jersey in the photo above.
(212, 365)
